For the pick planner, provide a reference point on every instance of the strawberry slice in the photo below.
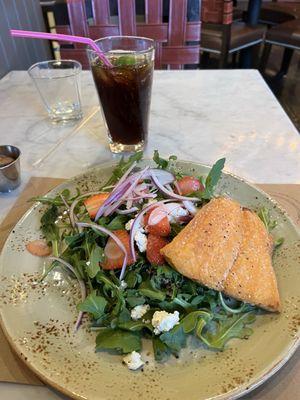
(114, 256)
(93, 203)
(154, 244)
(188, 185)
(157, 222)
(38, 248)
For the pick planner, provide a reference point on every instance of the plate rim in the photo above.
(244, 388)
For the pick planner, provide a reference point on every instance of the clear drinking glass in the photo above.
(125, 89)
(58, 83)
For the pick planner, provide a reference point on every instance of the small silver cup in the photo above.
(10, 177)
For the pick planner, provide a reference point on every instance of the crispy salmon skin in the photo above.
(207, 247)
(252, 278)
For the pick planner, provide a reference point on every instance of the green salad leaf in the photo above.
(234, 326)
(161, 162)
(94, 305)
(118, 340)
(97, 256)
(122, 167)
(213, 178)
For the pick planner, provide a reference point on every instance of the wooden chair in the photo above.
(172, 38)
(286, 35)
(223, 36)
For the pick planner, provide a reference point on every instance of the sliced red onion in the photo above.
(113, 236)
(81, 284)
(122, 179)
(74, 204)
(177, 187)
(170, 194)
(115, 195)
(137, 177)
(124, 212)
(64, 201)
(190, 207)
(136, 224)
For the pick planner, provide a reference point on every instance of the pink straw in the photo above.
(61, 37)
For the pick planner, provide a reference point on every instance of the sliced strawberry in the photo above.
(154, 244)
(38, 248)
(93, 203)
(114, 256)
(188, 185)
(156, 222)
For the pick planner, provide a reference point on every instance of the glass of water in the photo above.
(58, 82)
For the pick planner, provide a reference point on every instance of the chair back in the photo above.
(177, 41)
(217, 11)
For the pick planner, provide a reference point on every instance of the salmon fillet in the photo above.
(252, 278)
(207, 247)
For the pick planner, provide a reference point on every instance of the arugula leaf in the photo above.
(212, 179)
(97, 256)
(264, 215)
(146, 289)
(133, 298)
(161, 162)
(135, 326)
(278, 242)
(175, 339)
(117, 223)
(132, 278)
(48, 226)
(94, 305)
(118, 340)
(190, 321)
(218, 334)
(122, 167)
(160, 349)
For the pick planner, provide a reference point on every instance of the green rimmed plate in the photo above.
(38, 320)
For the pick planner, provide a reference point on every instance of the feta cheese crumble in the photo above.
(123, 285)
(128, 224)
(139, 311)
(175, 212)
(140, 238)
(133, 360)
(163, 321)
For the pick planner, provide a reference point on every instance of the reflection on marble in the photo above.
(199, 115)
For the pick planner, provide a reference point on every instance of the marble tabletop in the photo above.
(198, 115)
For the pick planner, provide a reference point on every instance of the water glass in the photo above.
(58, 82)
(124, 89)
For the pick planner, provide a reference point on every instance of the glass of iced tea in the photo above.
(124, 89)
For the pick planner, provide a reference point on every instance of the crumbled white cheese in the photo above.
(139, 311)
(123, 285)
(128, 224)
(139, 237)
(141, 240)
(163, 321)
(88, 263)
(175, 211)
(133, 360)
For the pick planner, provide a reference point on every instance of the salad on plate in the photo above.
(114, 242)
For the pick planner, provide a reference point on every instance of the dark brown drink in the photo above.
(125, 94)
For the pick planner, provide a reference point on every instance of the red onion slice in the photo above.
(113, 236)
(81, 284)
(124, 212)
(170, 194)
(137, 177)
(137, 223)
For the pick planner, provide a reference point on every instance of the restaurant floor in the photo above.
(287, 90)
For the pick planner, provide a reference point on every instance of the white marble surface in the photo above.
(198, 115)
